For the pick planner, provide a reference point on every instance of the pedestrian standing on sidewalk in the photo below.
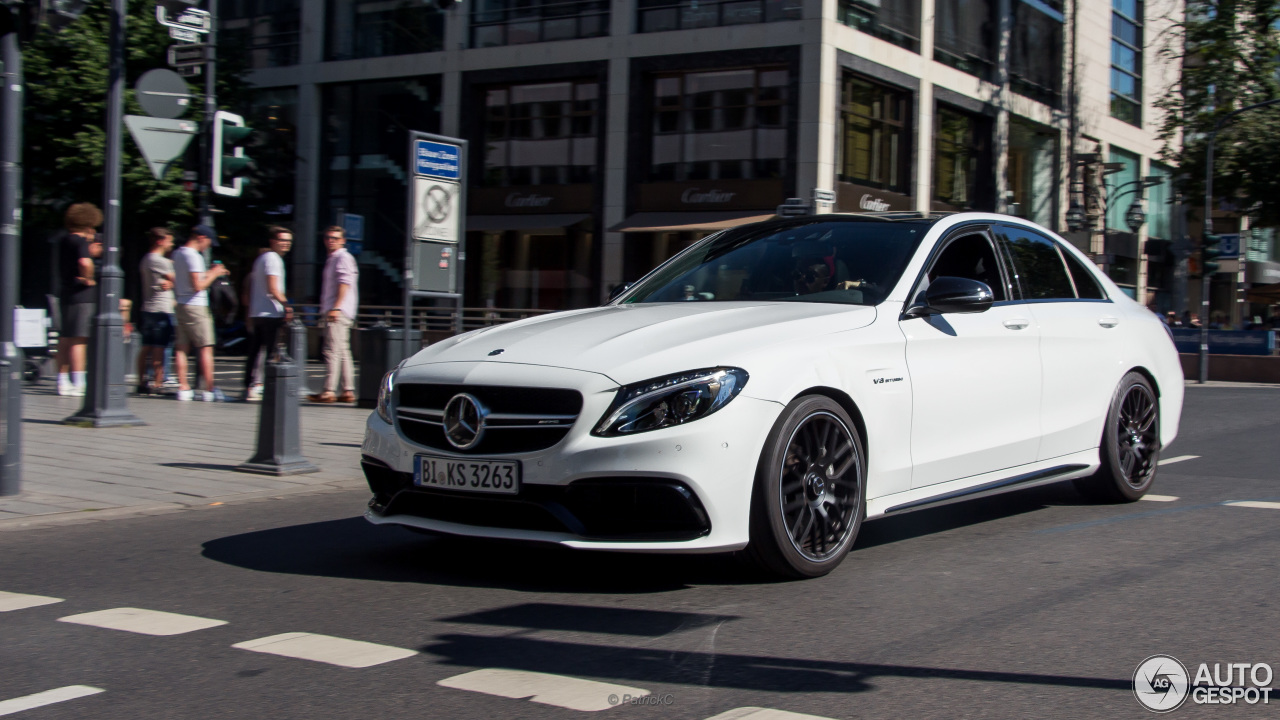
(78, 301)
(268, 306)
(195, 323)
(338, 310)
(156, 321)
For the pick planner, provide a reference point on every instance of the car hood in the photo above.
(629, 343)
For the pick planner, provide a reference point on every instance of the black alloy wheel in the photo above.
(1129, 452)
(810, 491)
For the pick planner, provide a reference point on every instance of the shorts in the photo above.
(156, 329)
(78, 319)
(195, 326)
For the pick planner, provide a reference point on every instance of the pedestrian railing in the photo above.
(432, 320)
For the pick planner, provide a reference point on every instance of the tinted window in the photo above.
(1039, 266)
(1086, 286)
(970, 257)
(852, 262)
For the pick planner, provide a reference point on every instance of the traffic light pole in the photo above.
(104, 400)
(10, 236)
(210, 108)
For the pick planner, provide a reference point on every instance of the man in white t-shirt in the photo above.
(268, 306)
(195, 325)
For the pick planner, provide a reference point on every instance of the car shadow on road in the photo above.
(355, 549)
(725, 670)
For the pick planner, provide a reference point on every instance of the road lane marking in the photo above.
(544, 688)
(1159, 498)
(1255, 504)
(17, 601)
(326, 649)
(145, 622)
(755, 713)
(1178, 459)
(48, 697)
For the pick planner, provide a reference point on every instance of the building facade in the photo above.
(606, 135)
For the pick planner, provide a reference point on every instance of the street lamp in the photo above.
(1136, 216)
(1075, 217)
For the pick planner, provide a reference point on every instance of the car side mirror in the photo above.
(952, 295)
(619, 290)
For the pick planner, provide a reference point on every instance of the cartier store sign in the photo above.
(529, 199)
(861, 198)
(709, 195)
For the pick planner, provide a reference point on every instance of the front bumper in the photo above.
(682, 489)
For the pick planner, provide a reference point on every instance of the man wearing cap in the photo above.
(195, 324)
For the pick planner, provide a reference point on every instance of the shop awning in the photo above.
(688, 221)
(500, 223)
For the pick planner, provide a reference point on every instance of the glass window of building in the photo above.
(1160, 203)
(376, 28)
(965, 35)
(1035, 51)
(364, 167)
(515, 22)
(719, 125)
(262, 32)
(1120, 188)
(273, 113)
(897, 21)
(542, 134)
(961, 160)
(660, 15)
(1126, 60)
(875, 144)
(1031, 174)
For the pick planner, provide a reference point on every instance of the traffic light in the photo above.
(230, 164)
(1210, 251)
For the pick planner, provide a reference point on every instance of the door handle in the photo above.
(1016, 323)
(1108, 322)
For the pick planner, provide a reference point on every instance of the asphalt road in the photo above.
(1034, 604)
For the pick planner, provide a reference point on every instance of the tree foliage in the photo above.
(1230, 55)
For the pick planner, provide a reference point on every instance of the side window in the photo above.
(1041, 273)
(1087, 287)
(972, 257)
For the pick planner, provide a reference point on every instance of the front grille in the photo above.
(619, 509)
(520, 419)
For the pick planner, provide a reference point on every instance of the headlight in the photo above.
(384, 396)
(671, 400)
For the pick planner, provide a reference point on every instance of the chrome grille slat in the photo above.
(509, 428)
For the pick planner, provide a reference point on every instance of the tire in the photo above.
(1130, 446)
(805, 513)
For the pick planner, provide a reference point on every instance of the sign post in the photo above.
(435, 246)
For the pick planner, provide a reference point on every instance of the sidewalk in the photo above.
(184, 457)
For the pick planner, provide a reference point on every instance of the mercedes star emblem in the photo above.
(464, 421)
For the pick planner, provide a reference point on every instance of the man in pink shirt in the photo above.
(338, 309)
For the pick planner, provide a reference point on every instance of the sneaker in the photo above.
(66, 389)
(214, 395)
(255, 392)
(171, 382)
(185, 395)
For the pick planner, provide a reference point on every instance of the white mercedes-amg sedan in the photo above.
(775, 385)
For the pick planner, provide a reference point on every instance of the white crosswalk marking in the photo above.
(1255, 504)
(558, 690)
(326, 649)
(48, 697)
(1159, 498)
(1178, 459)
(755, 713)
(145, 622)
(18, 601)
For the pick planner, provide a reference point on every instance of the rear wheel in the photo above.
(1130, 449)
(810, 491)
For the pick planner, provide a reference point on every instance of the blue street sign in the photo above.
(1230, 245)
(353, 226)
(435, 159)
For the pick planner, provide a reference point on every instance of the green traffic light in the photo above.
(233, 135)
(236, 166)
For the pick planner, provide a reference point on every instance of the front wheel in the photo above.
(810, 491)
(1130, 449)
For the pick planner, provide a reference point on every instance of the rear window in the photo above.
(854, 262)
(1087, 287)
(1040, 270)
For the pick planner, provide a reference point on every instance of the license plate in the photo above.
(482, 476)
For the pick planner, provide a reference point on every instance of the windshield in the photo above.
(855, 262)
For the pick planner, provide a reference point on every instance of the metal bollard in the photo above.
(279, 428)
(297, 344)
